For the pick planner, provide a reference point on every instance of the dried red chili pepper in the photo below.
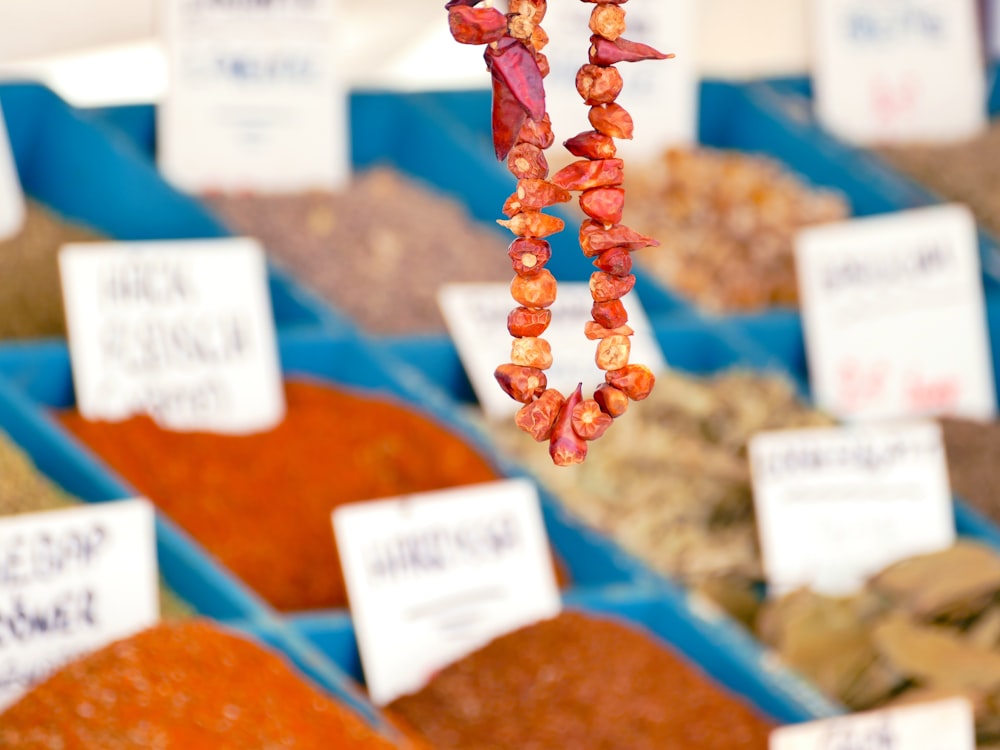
(533, 224)
(595, 331)
(635, 380)
(608, 21)
(534, 9)
(537, 193)
(613, 402)
(515, 64)
(603, 204)
(617, 261)
(529, 255)
(611, 51)
(527, 162)
(610, 314)
(598, 84)
(531, 351)
(508, 118)
(591, 144)
(538, 417)
(519, 382)
(589, 422)
(612, 119)
(537, 132)
(613, 352)
(536, 290)
(605, 287)
(476, 25)
(595, 238)
(527, 321)
(565, 446)
(586, 174)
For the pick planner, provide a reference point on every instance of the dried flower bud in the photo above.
(537, 132)
(612, 352)
(636, 381)
(527, 161)
(612, 119)
(610, 314)
(533, 224)
(612, 401)
(608, 21)
(605, 287)
(535, 194)
(617, 261)
(596, 332)
(588, 421)
(565, 446)
(476, 25)
(604, 204)
(591, 144)
(526, 321)
(608, 52)
(538, 417)
(529, 255)
(597, 84)
(520, 383)
(536, 290)
(595, 238)
(586, 174)
(531, 351)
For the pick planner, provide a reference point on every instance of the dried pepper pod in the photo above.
(617, 261)
(636, 381)
(603, 204)
(538, 417)
(587, 173)
(565, 446)
(595, 331)
(508, 118)
(595, 238)
(613, 401)
(515, 64)
(605, 287)
(533, 224)
(531, 351)
(607, 20)
(598, 84)
(613, 352)
(476, 25)
(529, 255)
(526, 162)
(605, 51)
(527, 321)
(519, 382)
(537, 132)
(536, 290)
(591, 144)
(589, 421)
(610, 314)
(612, 119)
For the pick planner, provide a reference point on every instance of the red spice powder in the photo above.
(582, 682)
(183, 685)
(261, 503)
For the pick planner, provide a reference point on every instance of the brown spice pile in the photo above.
(189, 685)
(726, 222)
(578, 681)
(377, 250)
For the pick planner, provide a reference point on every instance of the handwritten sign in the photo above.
(72, 581)
(661, 95)
(937, 725)
(894, 318)
(836, 505)
(254, 99)
(476, 316)
(181, 331)
(432, 577)
(12, 209)
(898, 70)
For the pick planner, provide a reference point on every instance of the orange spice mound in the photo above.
(184, 685)
(261, 503)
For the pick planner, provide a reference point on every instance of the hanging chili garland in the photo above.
(521, 133)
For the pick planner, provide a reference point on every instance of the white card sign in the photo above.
(898, 70)
(432, 577)
(476, 316)
(72, 581)
(894, 318)
(836, 505)
(661, 95)
(937, 725)
(254, 99)
(12, 209)
(179, 330)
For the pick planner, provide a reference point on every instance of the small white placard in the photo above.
(898, 70)
(255, 100)
(476, 316)
(894, 318)
(12, 209)
(836, 505)
(661, 95)
(179, 330)
(434, 576)
(938, 725)
(72, 581)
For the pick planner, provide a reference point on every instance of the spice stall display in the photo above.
(378, 249)
(191, 685)
(926, 627)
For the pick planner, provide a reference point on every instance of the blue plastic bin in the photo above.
(89, 173)
(722, 651)
(39, 376)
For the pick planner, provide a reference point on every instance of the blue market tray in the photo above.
(38, 376)
(89, 173)
(725, 653)
(189, 571)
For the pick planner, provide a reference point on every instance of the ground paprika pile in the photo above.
(185, 685)
(261, 503)
(583, 682)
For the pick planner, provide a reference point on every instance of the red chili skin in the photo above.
(591, 144)
(565, 446)
(508, 117)
(476, 25)
(606, 52)
(514, 63)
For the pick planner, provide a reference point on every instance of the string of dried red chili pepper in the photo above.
(521, 133)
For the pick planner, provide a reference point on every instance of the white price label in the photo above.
(938, 725)
(661, 95)
(255, 100)
(836, 505)
(476, 316)
(12, 208)
(434, 576)
(72, 581)
(179, 330)
(898, 70)
(894, 317)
